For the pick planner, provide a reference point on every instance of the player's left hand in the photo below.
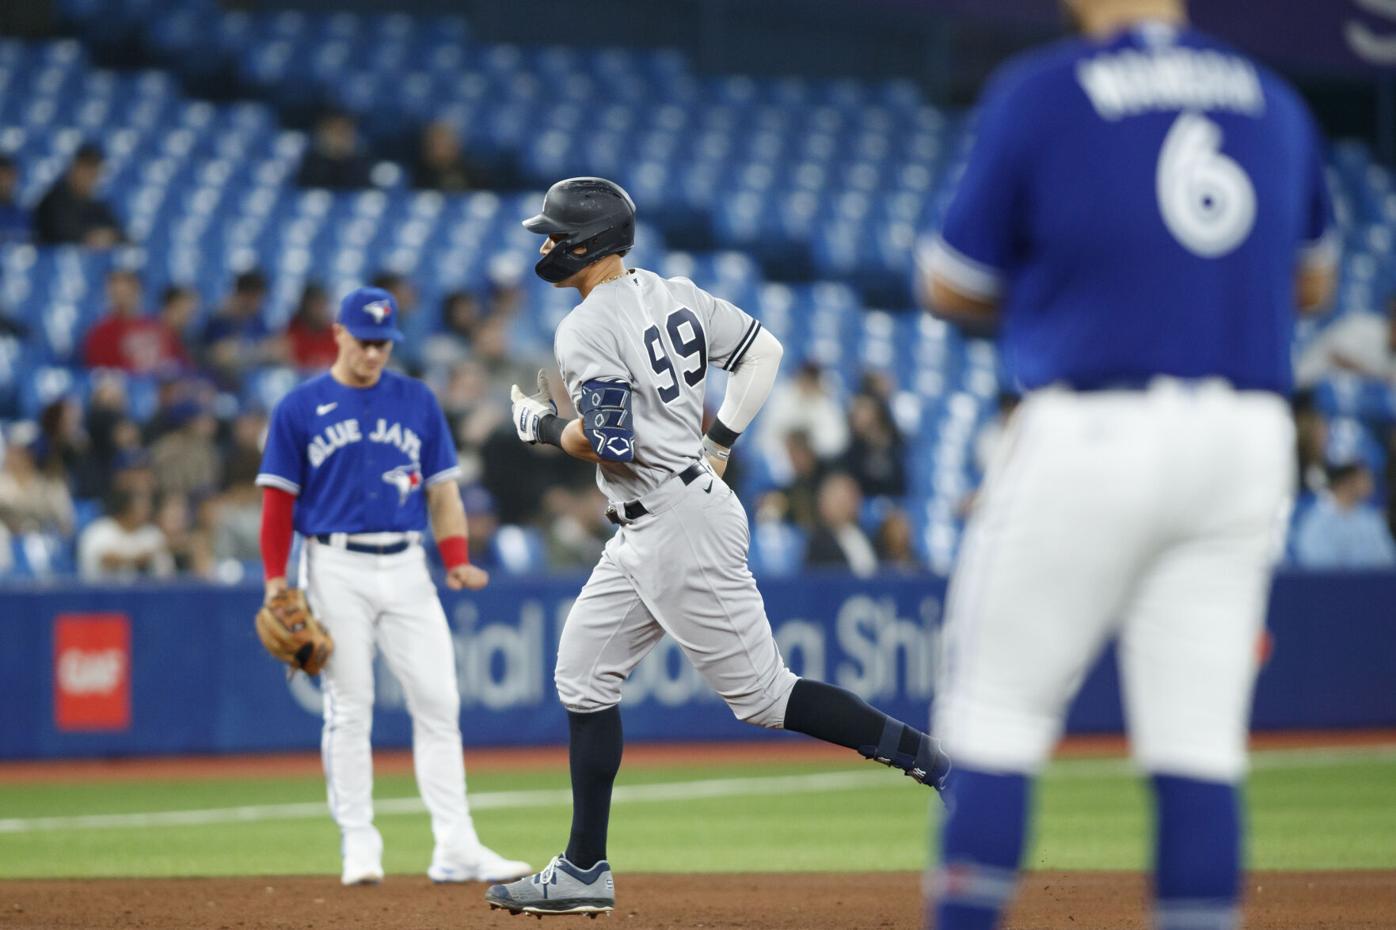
(530, 408)
(467, 576)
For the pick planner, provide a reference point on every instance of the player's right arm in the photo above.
(280, 477)
(600, 388)
(751, 353)
(962, 271)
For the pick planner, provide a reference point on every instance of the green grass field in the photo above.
(1319, 809)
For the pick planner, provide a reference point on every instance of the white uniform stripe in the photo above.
(446, 474)
(276, 481)
(969, 277)
(745, 344)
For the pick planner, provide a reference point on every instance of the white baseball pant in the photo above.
(388, 602)
(1152, 515)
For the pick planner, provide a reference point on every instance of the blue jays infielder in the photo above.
(359, 458)
(1142, 211)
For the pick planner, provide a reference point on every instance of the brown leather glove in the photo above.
(291, 633)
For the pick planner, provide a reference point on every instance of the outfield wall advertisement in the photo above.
(118, 671)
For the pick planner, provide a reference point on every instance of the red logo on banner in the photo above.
(92, 671)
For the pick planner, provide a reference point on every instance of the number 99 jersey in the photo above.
(657, 337)
(1151, 198)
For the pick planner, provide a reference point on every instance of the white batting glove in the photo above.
(530, 408)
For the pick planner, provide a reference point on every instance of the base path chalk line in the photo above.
(634, 794)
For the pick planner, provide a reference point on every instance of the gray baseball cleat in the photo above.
(561, 888)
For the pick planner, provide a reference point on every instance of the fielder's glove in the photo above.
(530, 408)
(292, 634)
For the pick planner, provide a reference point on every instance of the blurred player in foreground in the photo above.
(1142, 211)
(635, 356)
(358, 460)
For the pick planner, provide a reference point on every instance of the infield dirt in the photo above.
(866, 901)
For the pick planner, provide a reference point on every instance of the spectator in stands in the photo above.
(242, 456)
(14, 219)
(127, 339)
(114, 436)
(1362, 343)
(876, 455)
(805, 475)
(311, 331)
(895, 548)
(32, 499)
(481, 525)
(124, 544)
(71, 213)
(179, 304)
(504, 364)
(837, 540)
(186, 459)
(1342, 530)
(189, 543)
(67, 450)
(473, 412)
(237, 339)
(806, 404)
(1311, 438)
(233, 518)
(334, 160)
(460, 314)
(575, 527)
(441, 162)
(777, 545)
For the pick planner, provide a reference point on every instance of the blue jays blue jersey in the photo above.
(358, 459)
(1138, 207)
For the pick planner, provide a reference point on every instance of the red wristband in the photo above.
(455, 551)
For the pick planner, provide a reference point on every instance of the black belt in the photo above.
(386, 549)
(634, 509)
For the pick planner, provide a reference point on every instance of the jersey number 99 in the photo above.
(687, 339)
(1207, 199)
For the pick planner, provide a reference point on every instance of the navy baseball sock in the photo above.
(1197, 854)
(980, 848)
(841, 717)
(594, 753)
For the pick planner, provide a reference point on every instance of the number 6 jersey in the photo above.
(1144, 203)
(658, 336)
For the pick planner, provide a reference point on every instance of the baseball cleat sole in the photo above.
(592, 910)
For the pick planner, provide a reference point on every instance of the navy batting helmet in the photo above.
(592, 213)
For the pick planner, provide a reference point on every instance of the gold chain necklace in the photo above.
(615, 277)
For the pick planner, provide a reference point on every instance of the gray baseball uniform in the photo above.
(681, 568)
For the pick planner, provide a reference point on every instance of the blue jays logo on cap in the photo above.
(369, 313)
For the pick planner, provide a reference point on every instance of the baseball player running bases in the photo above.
(357, 461)
(635, 355)
(1142, 211)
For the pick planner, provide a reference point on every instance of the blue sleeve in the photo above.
(439, 461)
(283, 461)
(986, 214)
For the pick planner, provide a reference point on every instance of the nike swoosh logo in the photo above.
(323, 409)
(709, 488)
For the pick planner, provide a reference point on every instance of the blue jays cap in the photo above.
(370, 313)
